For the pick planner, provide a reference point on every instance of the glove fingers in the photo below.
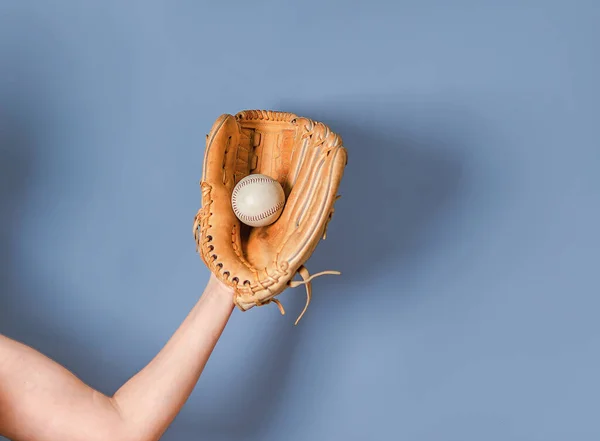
(221, 157)
(311, 157)
(270, 140)
(314, 207)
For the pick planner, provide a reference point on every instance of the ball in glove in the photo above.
(307, 159)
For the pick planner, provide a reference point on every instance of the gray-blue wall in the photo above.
(467, 232)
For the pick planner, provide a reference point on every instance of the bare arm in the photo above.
(42, 401)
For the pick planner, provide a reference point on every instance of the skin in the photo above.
(40, 400)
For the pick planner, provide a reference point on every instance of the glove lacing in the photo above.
(306, 279)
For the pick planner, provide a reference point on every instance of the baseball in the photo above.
(257, 200)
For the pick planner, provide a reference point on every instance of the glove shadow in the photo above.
(399, 181)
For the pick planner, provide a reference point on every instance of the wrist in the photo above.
(217, 289)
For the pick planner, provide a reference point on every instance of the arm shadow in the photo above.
(20, 316)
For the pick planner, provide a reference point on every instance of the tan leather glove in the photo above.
(308, 160)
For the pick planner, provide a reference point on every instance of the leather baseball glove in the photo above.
(308, 160)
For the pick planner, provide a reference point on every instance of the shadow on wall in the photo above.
(15, 171)
(404, 175)
(20, 285)
(254, 397)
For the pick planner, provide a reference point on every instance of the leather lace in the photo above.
(306, 281)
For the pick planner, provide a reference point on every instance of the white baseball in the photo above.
(257, 200)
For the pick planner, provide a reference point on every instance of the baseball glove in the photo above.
(308, 160)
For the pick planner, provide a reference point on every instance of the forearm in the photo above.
(153, 397)
(40, 400)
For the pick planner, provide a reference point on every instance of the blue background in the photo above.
(467, 231)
